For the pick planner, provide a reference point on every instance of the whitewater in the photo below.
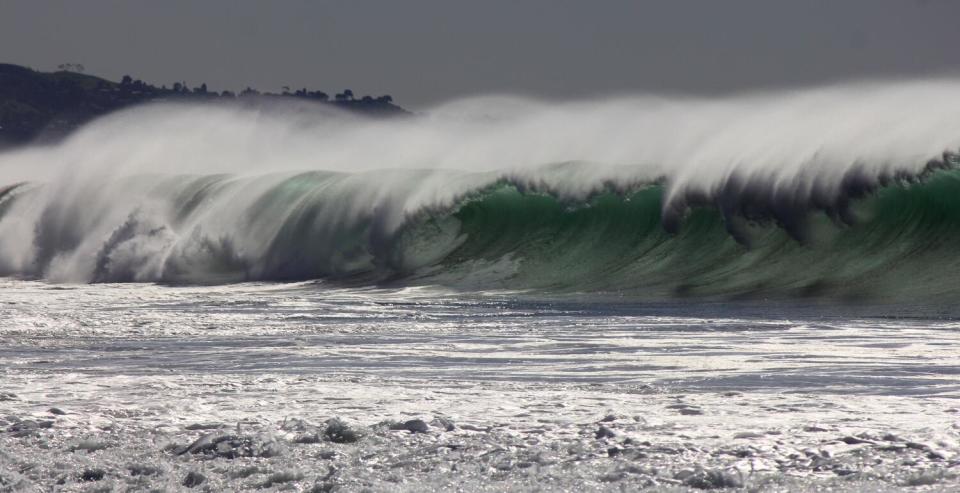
(670, 293)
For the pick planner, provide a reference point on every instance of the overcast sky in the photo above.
(427, 51)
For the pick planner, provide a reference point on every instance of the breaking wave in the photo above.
(835, 193)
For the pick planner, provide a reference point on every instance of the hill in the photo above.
(46, 106)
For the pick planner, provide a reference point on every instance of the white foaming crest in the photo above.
(118, 171)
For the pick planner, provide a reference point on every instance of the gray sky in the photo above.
(426, 51)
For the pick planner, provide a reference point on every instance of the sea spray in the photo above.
(845, 191)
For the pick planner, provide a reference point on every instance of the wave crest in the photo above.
(835, 192)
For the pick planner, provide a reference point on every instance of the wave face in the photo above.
(840, 193)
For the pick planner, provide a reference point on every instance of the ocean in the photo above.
(757, 292)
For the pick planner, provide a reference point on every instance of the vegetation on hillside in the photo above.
(49, 105)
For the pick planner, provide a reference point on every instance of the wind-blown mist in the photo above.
(844, 191)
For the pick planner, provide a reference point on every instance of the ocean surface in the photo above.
(514, 392)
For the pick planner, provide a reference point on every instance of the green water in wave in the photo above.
(903, 244)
